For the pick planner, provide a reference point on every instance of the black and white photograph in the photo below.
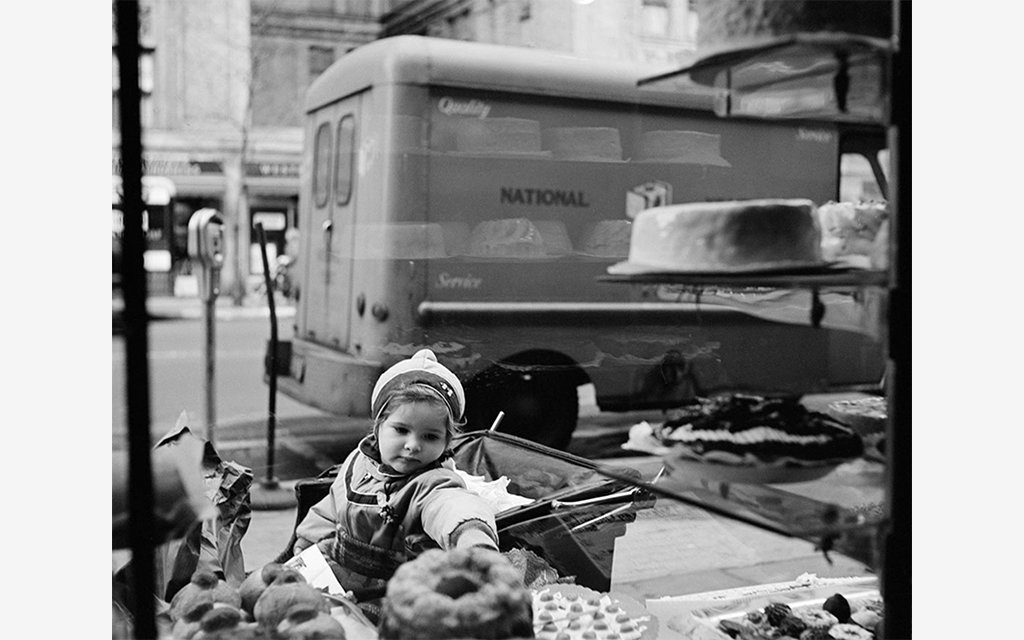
(500, 319)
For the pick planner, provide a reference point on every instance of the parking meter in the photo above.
(206, 249)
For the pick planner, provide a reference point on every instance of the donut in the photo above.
(460, 593)
(817, 618)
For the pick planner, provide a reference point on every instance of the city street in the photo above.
(306, 440)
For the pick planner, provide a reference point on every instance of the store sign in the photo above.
(171, 165)
(272, 169)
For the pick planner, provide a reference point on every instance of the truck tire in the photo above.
(541, 407)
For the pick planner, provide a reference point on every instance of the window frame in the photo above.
(342, 198)
(322, 192)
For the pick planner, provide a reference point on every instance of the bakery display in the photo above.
(805, 621)
(462, 593)
(498, 136)
(592, 144)
(866, 416)
(855, 232)
(571, 612)
(607, 239)
(507, 238)
(256, 583)
(725, 236)
(204, 587)
(226, 623)
(755, 431)
(287, 590)
(683, 147)
(304, 622)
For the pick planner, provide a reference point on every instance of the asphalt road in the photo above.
(305, 440)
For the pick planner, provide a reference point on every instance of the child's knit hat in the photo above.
(422, 368)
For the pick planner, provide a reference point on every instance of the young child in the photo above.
(397, 493)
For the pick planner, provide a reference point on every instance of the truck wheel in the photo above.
(541, 407)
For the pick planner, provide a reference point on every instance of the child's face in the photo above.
(413, 436)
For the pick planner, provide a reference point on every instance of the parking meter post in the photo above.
(206, 249)
(270, 481)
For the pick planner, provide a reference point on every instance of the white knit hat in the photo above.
(422, 368)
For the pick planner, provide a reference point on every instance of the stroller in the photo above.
(575, 515)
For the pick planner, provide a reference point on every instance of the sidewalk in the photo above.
(191, 307)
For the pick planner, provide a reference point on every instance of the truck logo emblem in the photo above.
(452, 107)
(468, 281)
(547, 197)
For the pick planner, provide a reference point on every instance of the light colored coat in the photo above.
(429, 508)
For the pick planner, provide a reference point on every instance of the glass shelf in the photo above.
(817, 278)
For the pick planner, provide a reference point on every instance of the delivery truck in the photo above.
(468, 198)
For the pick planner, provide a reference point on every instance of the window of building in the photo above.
(322, 164)
(654, 17)
(319, 59)
(344, 162)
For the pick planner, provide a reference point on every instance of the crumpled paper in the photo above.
(494, 492)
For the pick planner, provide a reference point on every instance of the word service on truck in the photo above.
(468, 197)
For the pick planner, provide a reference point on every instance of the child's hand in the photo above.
(300, 546)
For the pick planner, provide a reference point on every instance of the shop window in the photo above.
(320, 58)
(654, 17)
(344, 161)
(322, 164)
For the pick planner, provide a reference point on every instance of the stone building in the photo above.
(223, 86)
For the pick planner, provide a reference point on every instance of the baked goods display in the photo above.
(753, 430)
(607, 239)
(855, 232)
(749, 431)
(204, 587)
(287, 590)
(834, 619)
(725, 236)
(868, 417)
(507, 238)
(462, 593)
(571, 612)
(305, 622)
(592, 144)
(499, 136)
(684, 147)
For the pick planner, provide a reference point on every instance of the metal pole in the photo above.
(210, 311)
(271, 481)
(896, 549)
(133, 278)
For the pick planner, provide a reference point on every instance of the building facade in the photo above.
(224, 83)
